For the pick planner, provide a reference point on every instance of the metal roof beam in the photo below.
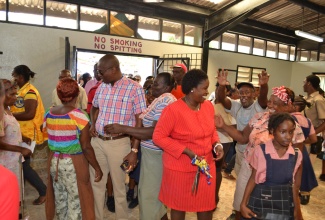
(263, 34)
(307, 4)
(232, 16)
(270, 28)
(137, 7)
(183, 7)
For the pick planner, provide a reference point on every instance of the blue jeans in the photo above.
(33, 178)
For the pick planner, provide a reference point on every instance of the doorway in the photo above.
(130, 65)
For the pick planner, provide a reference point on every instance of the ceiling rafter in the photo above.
(310, 5)
(232, 16)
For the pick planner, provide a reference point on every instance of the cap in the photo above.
(180, 65)
(245, 84)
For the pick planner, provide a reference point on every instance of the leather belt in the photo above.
(105, 138)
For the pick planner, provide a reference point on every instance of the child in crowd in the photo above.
(274, 163)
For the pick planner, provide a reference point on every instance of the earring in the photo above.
(191, 90)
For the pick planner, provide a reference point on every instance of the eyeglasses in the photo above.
(101, 72)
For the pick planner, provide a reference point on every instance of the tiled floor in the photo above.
(313, 211)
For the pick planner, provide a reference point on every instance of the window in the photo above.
(292, 53)
(122, 24)
(313, 56)
(271, 49)
(215, 43)
(193, 35)
(93, 19)
(304, 55)
(283, 52)
(26, 13)
(248, 74)
(148, 28)
(322, 57)
(61, 15)
(228, 41)
(244, 44)
(172, 32)
(2, 10)
(259, 47)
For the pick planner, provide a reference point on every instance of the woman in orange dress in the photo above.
(186, 132)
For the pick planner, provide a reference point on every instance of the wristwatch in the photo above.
(134, 150)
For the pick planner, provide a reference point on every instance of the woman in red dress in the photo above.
(187, 134)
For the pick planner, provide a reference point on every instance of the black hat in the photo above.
(245, 84)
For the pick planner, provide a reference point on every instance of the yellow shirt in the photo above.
(30, 128)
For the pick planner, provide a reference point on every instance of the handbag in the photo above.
(316, 148)
(273, 202)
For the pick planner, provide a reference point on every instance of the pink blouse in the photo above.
(260, 133)
(258, 161)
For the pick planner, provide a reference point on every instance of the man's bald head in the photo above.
(111, 60)
(109, 68)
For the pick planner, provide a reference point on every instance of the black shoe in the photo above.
(134, 203)
(304, 199)
(129, 195)
(322, 177)
(110, 203)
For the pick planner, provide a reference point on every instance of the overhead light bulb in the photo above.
(309, 36)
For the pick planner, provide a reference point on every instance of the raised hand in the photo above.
(263, 78)
(222, 77)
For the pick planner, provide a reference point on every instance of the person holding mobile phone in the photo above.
(117, 100)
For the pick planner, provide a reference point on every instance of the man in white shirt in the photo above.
(242, 110)
(82, 99)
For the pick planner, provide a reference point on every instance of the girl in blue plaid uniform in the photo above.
(274, 163)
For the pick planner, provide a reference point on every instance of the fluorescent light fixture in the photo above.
(153, 1)
(309, 36)
(215, 1)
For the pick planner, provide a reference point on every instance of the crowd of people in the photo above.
(170, 138)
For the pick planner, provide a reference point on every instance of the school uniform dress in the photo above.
(272, 170)
(180, 127)
(258, 135)
(308, 178)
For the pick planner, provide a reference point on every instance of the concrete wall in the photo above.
(43, 50)
(302, 69)
(279, 70)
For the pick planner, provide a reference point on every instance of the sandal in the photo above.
(40, 200)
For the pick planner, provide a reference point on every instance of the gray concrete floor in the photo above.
(313, 211)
